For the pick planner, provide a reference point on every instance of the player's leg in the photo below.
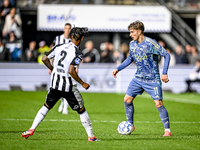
(163, 116)
(87, 124)
(129, 108)
(76, 102)
(155, 91)
(51, 99)
(60, 108)
(65, 106)
(133, 90)
(38, 118)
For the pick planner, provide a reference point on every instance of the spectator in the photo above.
(188, 51)
(124, 47)
(14, 46)
(4, 53)
(194, 55)
(43, 48)
(194, 4)
(180, 56)
(90, 54)
(194, 76)
(13, 23)
(12, 2)
(29, 3)
(162, 43)
(107, 50)
(37, 2)
(172, 58)
(180, 3)
(5, 9)
(31, 53)
(121, 54)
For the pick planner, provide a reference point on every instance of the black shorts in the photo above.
(73, 97)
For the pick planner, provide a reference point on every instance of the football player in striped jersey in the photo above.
(66, 58)
(60, 39)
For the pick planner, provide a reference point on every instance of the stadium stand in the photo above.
(183, 18)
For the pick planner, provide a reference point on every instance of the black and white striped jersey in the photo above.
(64, 55)
(60, 39)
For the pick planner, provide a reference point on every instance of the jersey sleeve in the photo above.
(125, 63)
(51, 53)
(158, 49)
(55, 41)
(77, 59)
(166, 63)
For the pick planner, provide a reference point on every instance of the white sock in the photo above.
(60, 108)
(62, 102)
(168, 129)
(39, 117)
(85, 119)
(65, 104)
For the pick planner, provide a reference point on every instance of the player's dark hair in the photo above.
(77, 33)
(137, 25)
(68, 24)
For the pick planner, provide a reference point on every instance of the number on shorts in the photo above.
(156, 90)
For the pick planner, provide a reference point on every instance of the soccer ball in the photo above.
(125, 128)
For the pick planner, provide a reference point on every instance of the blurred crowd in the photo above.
(10, 31)
(194, 4)
(12, 50)
(182, 55)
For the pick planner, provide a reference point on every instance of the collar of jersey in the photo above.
(142, 41)
(73, 44)
(65, 38)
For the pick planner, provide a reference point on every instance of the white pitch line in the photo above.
(105, 121)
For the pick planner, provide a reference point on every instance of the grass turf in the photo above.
(57, 131)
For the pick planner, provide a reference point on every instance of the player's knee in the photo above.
(47, 106)
(128, 99)
(81, 110)
(158, 103)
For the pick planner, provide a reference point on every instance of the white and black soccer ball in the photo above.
(125, 128)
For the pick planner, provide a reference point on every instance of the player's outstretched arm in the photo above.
(164, 78)
(47, 63)
(73, 73)
(114, 73)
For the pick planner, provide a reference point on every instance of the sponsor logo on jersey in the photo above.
(77, 61)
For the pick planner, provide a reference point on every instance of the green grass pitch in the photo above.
(106, 111)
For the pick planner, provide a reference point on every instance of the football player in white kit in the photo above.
(60, 39)
(66, 58)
